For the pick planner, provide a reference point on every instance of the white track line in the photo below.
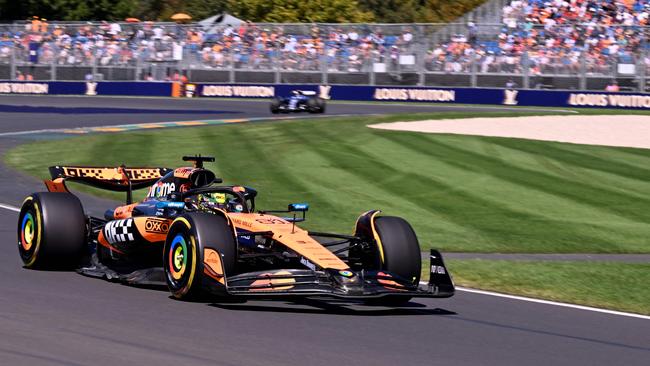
(9, 207)
(489, 293)
(547, 302)
(554, 303)
(18, 133)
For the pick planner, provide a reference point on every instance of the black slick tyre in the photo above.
(321, 105)
(190, 237)
(51, 231)
(313, 105)
(275, 105)
(399, 253)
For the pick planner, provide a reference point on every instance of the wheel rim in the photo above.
(178, 257)
(27, 231)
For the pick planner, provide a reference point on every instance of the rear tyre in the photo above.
(321, 105)
(398, 253)
(313, 105)
(51, 231)
(191, 238)
(275, 105)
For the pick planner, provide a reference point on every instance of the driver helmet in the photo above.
(216, 199)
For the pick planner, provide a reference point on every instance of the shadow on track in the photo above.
(333, 307)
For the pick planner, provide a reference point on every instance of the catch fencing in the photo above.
(426, 55)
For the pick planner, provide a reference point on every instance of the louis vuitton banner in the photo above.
(126, 88)
(436, 95)
(506, 97)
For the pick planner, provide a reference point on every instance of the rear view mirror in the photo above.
(298, 207)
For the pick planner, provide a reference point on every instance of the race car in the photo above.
(298, 101)
(203, 239)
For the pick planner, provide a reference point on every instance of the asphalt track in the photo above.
(61, 318)
(25, 113)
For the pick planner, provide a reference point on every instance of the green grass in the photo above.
(461, 193)
(616, 286)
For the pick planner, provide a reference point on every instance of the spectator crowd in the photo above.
(552, 37)
(245, 46)
(545, 36)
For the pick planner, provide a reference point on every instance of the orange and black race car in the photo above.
(202, 238)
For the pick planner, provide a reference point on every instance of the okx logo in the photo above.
(159, 226)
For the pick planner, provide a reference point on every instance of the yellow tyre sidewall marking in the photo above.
(377, 238)
(39, 229)
(184, 290)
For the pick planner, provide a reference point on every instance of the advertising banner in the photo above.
(126, 88)
(528, 98)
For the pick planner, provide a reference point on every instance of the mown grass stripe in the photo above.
(604, 285)
(464, 204)
(578, 159)
(581, 192)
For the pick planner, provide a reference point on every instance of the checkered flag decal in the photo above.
(119, 231)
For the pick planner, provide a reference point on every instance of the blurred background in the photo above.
(535, 44)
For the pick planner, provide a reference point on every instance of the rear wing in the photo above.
(118, 179)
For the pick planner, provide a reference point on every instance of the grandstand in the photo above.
(565, 44)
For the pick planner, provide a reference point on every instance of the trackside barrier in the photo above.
(529, 98)
(127, 88)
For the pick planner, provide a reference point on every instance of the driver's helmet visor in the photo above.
(218, 198)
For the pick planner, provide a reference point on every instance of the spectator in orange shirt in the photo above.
(36, 24)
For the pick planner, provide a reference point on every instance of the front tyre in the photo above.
(399, 247)
(51, 231)
(199, 251)
(395, 250)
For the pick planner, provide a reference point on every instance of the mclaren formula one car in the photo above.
(298, 101)
(202, 239)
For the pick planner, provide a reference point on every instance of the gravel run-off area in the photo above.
(606, 130)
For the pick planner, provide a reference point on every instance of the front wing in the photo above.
(341, 284)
